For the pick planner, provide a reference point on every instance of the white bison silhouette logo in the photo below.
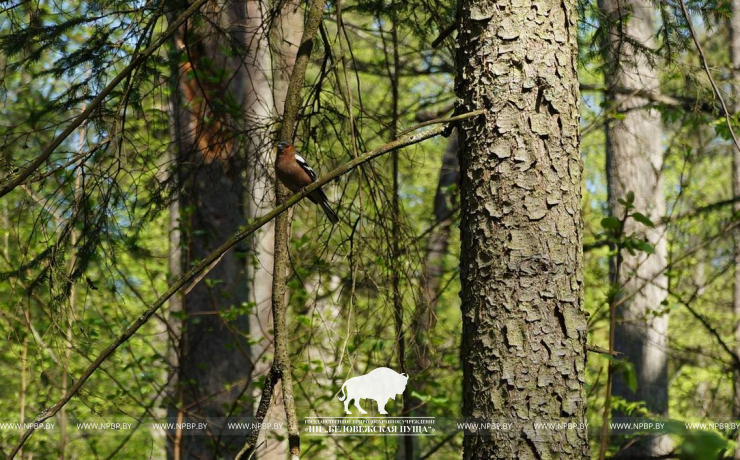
(381, 385)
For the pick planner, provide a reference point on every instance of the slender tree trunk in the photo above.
(406, 446)
(437, 245)
(214, 350)
(524, 333)
(282, 364)
(425, 316)
(68, 336)
(268, 66)
(24, 386)
(175, 262)
(634, 162)
(735, 52)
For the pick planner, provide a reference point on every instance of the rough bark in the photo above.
(634, 162)
(214, 351)
(524, 332)
(735, 53)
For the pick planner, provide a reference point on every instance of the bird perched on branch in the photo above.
(296, 174)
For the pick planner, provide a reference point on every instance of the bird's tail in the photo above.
(329, 212)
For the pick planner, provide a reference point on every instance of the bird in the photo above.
(295, 173)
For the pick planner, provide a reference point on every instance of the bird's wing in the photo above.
(302, 162)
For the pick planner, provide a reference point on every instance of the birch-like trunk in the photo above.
(259, 110)
(634, 161)
(270, 59)
(524, 332)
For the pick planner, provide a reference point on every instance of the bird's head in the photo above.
(284, 147)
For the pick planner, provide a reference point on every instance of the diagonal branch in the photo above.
(136, 61)
(190, 275)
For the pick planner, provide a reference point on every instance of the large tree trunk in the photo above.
(634, 161)
(524, 333)
(214, 350)
(259, 113)
(735, 52)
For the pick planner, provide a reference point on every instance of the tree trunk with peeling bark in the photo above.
(524, 332)
(634, 162)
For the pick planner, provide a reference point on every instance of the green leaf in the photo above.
(629, 375)
(644, 246)
(643, 219)
(611, 223)
(630, 197)
(628, 201)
